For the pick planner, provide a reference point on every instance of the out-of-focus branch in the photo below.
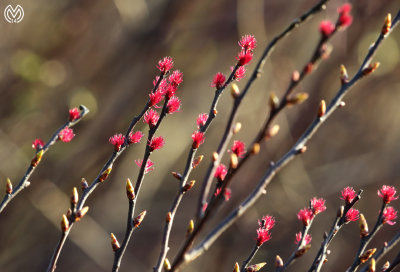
(23, 183)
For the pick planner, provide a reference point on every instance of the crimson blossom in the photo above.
(37, 144)
(348, 194)
(66, 135)
(74, 114)
(387, 193)
(117, 140)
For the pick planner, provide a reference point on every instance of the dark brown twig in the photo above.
(23, 183)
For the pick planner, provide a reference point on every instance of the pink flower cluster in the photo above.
(247, 44)
(264, 227)
(220, 172)
(66, 135)
(317, 206)
(345, 19)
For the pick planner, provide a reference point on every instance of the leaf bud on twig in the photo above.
(271, 132)
(298, 99)
(138, 220)
(74, 196)
(38, 157)
(188, 186)
(167, 264)
(387, 25)
(255, 267)
(370, 69)
(81, 213)
(114, 243)
(295, 76)
(190, 227)
(84, 184)
(366, 255)
(168, 218)
(237, 128)
(278, 261)
(215, 156)
(385, 266)
(340, 211)
(344, 78)
(255, 149)
(177, 175)
(302, 250)
(234, 161)
(321, 108)
(64, 223)
(236, 268)
(273, 101)
(105, 174)
(69, 213)
(235, 92)
(372, 265)
(129, 190)
(363, 226)
(9, 187)
(197, 161)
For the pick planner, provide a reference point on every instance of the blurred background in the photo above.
(103, 54)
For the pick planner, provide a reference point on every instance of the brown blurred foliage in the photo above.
(103, 54)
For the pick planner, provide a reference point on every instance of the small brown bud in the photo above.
(295, 76)
(322, 108)
(308, 69)
(344, 78)
(176, 175)
(74, 196)
(363, 226)
(168, 218)
(235, 92)
(302, 250)
(326, 51)
(387, 25)
(38, 157)
(372, 266)
(237, 128)
(81, 213)
(370, 69)
(84, 184)
(114, 243)
(69, 213)
(386, 266)
(167, 264)
(367, 255)
(190, 227)
(9, 187)
(278, 261)
(215, 156)
(340, 211)
(105, 174)
(302, 150)
(236, 268)
(138, 220)
(273, 101)
(189, 186)
(342, 104)
(298, 99)
(215, 112)
(197, 161)
(234, 161)
(271, 132)
(255, 149)
(130, 193)
(255, 267)
(64, 223)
